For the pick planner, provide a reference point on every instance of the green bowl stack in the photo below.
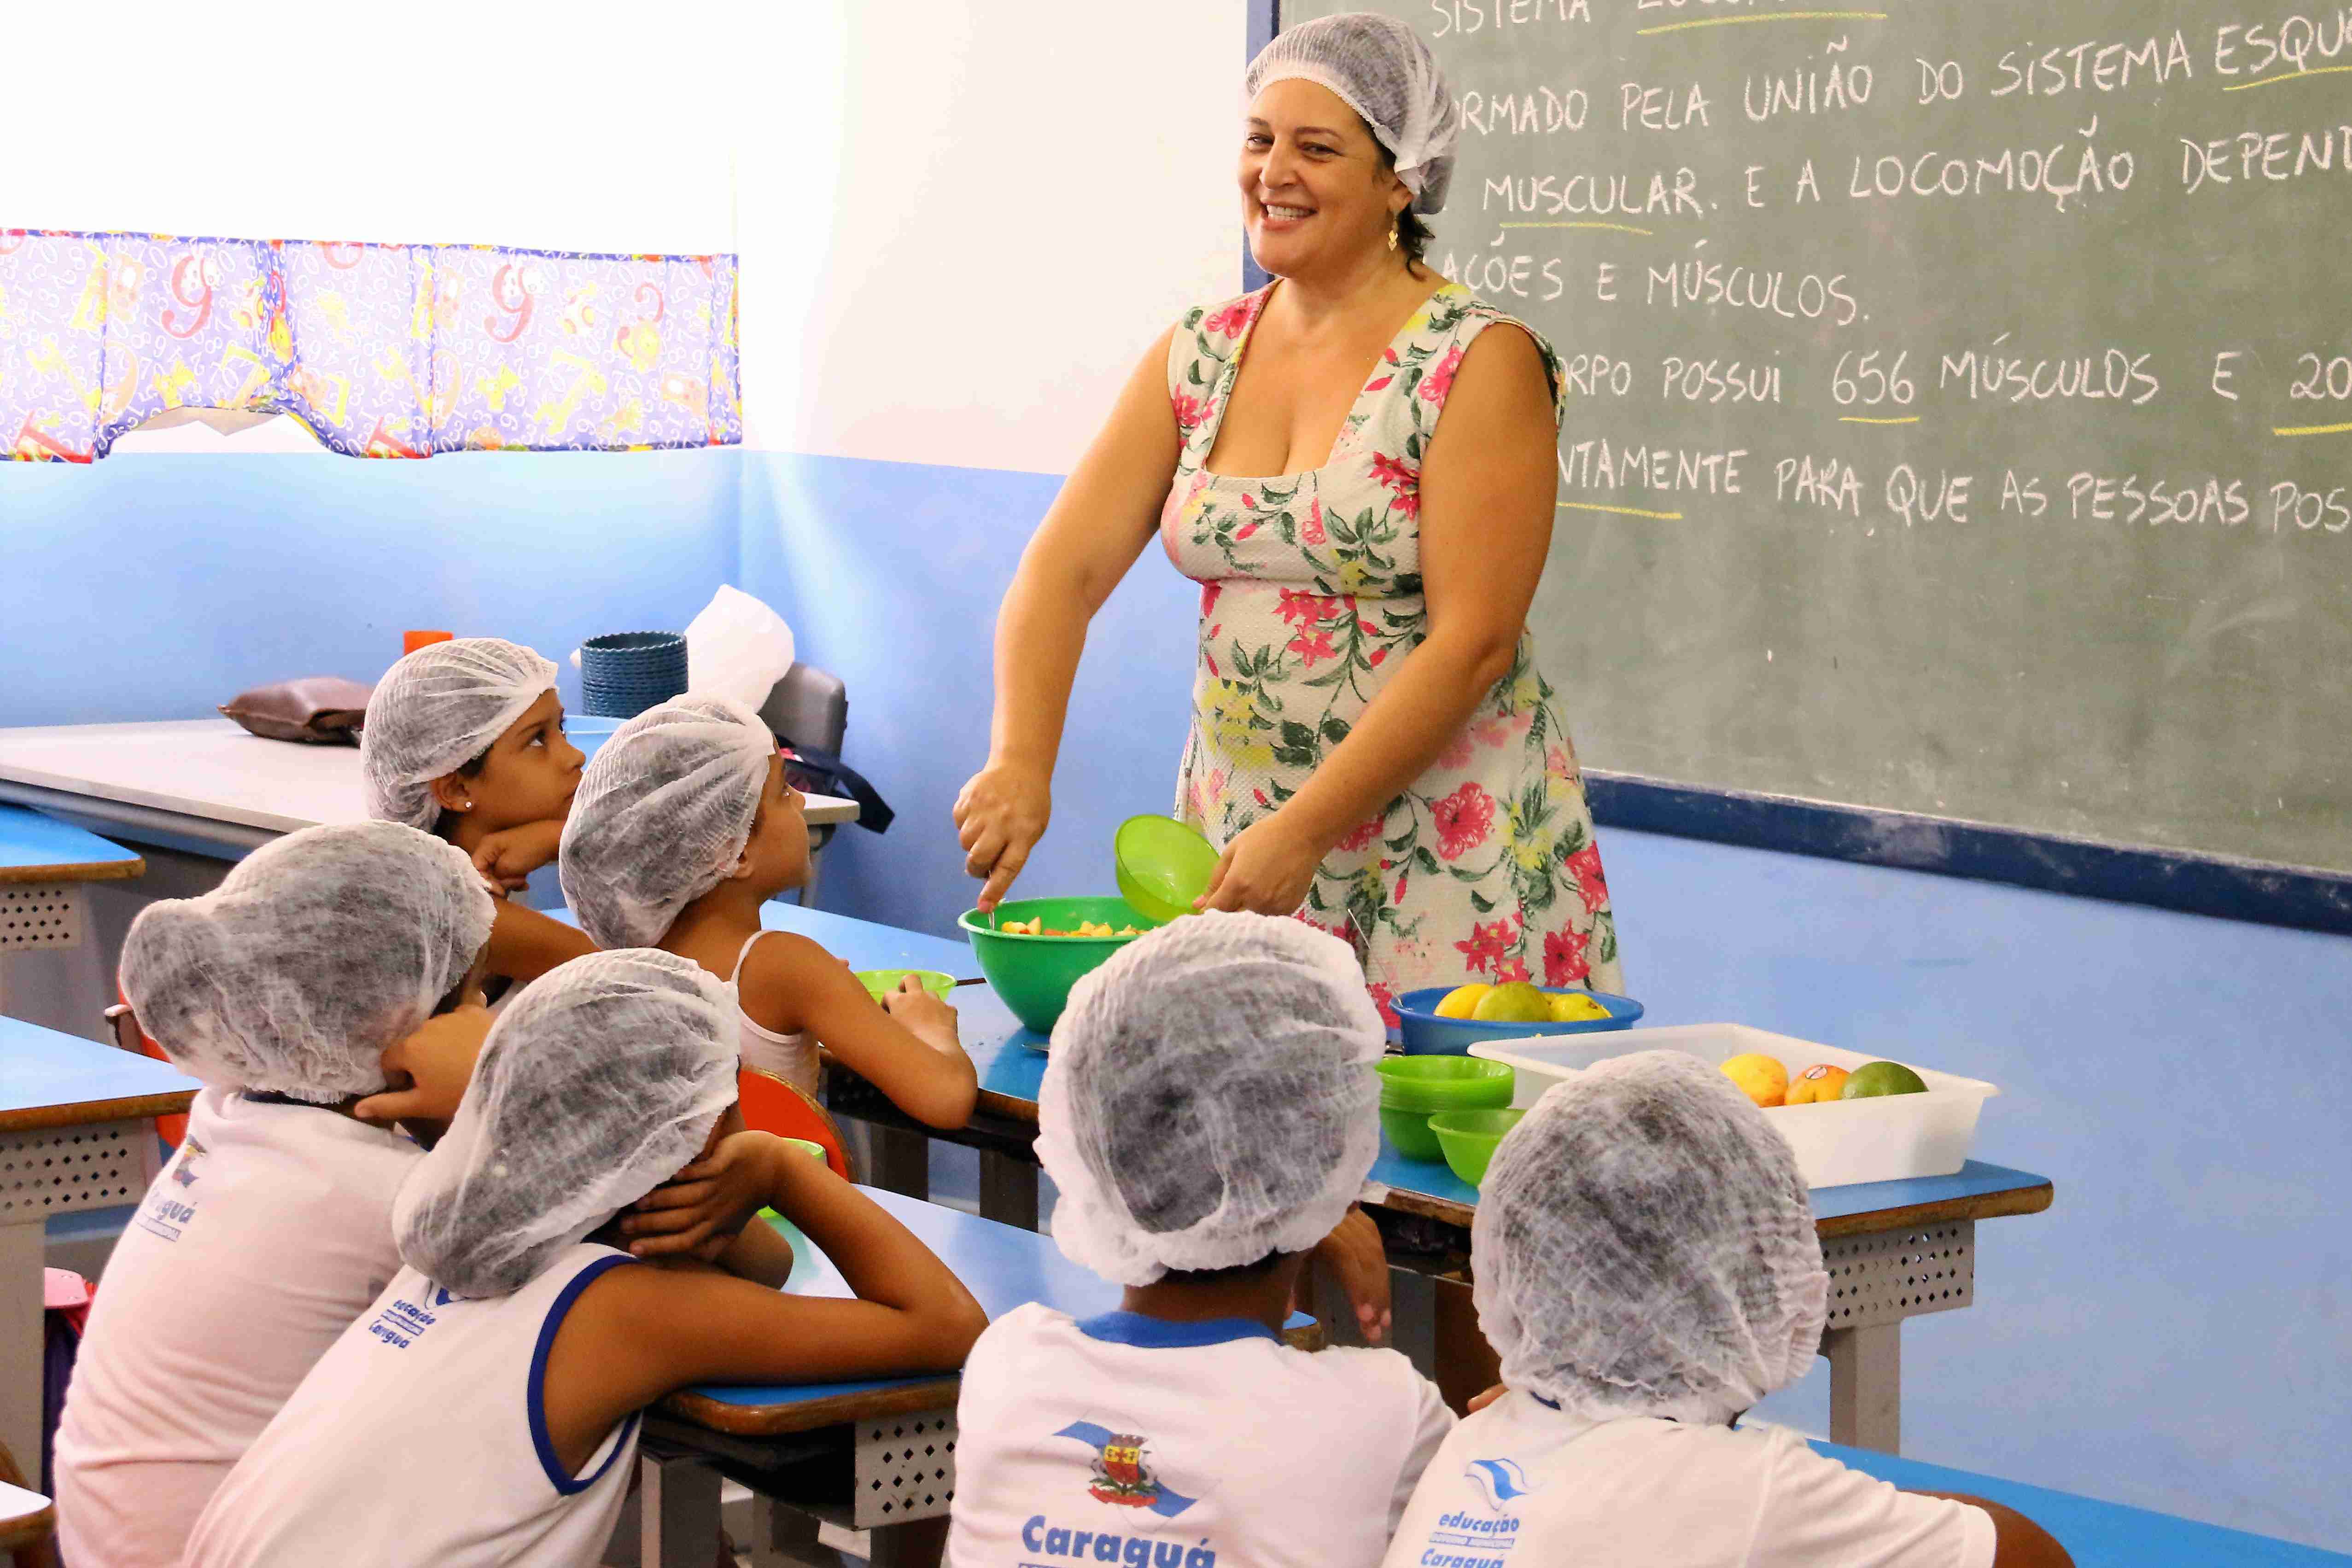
(1034, 974)
(1467, 1138)
(1414, 1087)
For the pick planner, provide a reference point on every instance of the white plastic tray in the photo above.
(1845, 1141)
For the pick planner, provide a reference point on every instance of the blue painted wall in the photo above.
(889, 574)
(2173, 1333)
(156, 586)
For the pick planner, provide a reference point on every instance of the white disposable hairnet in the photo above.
(314, 954)
(1380, 67)
(1643, 1246)
(600, 1082)
(437, 710)
(1209, 1098)
(662, 816)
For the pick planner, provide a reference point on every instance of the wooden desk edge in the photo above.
(1982, 1206)
(1011, 1107)
(90, 1112)
(807, 1414)
(91, 871)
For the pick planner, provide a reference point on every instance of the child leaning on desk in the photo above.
(271, 1228)
(683, 828)
(1648, 1268)
(1208, 1113)
(485, 1408)
(465, 739)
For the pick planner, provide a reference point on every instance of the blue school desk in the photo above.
(2099, 1534)
(43, 864)
(900, 1431)
(1894, 1249)
(77, 1131)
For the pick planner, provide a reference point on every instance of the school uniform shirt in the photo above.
(1128, 1439)
(269, 1231)
(421, 1436)
(1522, 1483)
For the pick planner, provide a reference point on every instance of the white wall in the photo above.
(961, 221)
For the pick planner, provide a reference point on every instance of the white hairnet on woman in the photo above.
(664, 812)
(1208, 1100)
(596, 1085)
(1380, 67)
(1644, 1247)
(313, 955)
(437, 710)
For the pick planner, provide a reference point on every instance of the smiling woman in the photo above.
(1360, 476)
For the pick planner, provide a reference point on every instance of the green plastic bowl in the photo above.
(1467, 1139)
(1428, 1084)
(1164, 865)
(1035, 974)
(880, 983)
(1409, 1131)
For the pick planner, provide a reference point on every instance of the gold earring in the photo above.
(1392, 232)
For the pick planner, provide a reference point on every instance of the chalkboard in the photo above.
(1960, 417)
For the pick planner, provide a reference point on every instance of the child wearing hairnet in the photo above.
(1647, 1269)
(485, 1408)
(271, 1226)
(1209, 1112)
(683, 828)
(465, 739)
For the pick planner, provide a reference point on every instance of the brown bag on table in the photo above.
(322, 710)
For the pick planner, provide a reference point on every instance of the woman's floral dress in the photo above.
(1310, 598)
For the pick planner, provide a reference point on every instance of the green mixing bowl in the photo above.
(1163, 865)
(1467, 1139)
(1411, 1087)
(880, 983)
(1035, 974)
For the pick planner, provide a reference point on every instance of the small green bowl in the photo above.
(880, 983)
(1163, 865)
(1034, 974)
(1409, 1131)
(1467, 1139)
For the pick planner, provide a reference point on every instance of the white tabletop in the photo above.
(210, 769)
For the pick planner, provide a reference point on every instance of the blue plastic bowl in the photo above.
(1426, 1034)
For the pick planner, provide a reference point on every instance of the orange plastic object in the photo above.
(771, 1105)
(171, 1129)
(412, 641)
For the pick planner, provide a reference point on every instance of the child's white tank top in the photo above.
(421, 1436)
(266, 1235)
(791, 1057)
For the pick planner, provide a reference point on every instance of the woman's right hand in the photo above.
(1000, 817)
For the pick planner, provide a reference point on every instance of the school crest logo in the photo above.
(1119, 1475)
(185, 1172)
(1501, 1481)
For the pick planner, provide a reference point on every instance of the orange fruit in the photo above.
(1817, 1083)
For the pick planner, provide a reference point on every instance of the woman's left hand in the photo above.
(1266, 870)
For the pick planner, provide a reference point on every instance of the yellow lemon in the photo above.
(1761, 1077)
(1575, 1007)
(1816, 1084)
(1463, 1000)
(1513, 1002)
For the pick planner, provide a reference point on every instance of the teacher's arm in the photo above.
(1488, 481)
(1091, 536)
